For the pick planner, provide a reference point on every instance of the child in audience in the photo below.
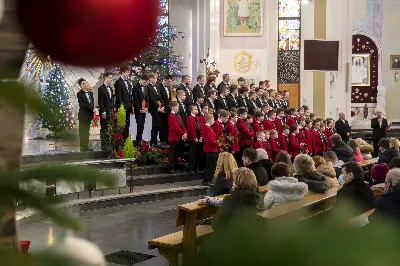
(176, 135)
(232, 132)
(275, 146)
(260, 142)
(279, 120)
(283, 139)
(356, 150)
(283, 188)
(223, 175)
(257, 124)
(193, 138)
(269, 123)
(211, 148)
(365, 148)
(246, 133)
(329, 131)
(330, 156)
(326, 169)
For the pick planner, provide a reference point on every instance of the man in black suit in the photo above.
(183, 108)
(379, 127)
(185, 86)
(232, 98)
(251, 103)
(140, 104)
(85, 115)
(242, 98)
(210, 101)
(225, 82)
(123, 96)
(105, 100)
(164, 89)
(155, 108)
(259, 95)
(211, 81)
(199, 88)
(342, 127)
(221, 102)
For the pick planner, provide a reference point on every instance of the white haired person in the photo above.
(265, 162)
(387, 206)
(283, 188)
(304, 171)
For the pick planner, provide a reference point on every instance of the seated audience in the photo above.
(394, 163)
(395, 144)
(251, 161)
(265, 162)
(304, 171)
(365, 148)
(283, 188)
(387, 153)
(342, 150)
(330, 156)
(378, 174)
(226, 165)
(387, 206)
(355, 190)
(284, 157)
(358, 157)
(326, 169)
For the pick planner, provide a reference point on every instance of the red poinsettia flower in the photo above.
(120, 154)
(165, 159)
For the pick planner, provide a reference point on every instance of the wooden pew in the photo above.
(189, 215)
(362, 219)
(367, 163)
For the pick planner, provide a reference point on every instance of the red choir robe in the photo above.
(209, 139)
(259, 144)
(308, 140)
(246, 133)
(291, 120)
(232, 132)
(295, 141)
(257, 126)
(176, 128)
(318, 143)
(269, 125)
(328, 133)
(279, 122)
(284, 142)
(275, 147)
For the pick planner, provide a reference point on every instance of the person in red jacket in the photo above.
(279, 120)
(211, 148)
(219, 126)
(284, 139)
(307, 133)
(257, 124)
(301, 124)
(296, 144)
(317, 139)
(232, 132)
(269, 124)
(193, 138)
(246, 134)
(260, 142)
(292, 119)
(268, 147)
(275, 146)
(176, 135)
(329, 131)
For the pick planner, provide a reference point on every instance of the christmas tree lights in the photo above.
(56, 98)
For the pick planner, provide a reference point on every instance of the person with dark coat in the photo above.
(343, 151)
(155, 108)
(304, 171)
(185, 86)
(225, 82)
(199, 88)
(265, 162)
(387, 206)
(379, 127)
(123, 96)
(251, 161)
(140, 104)
(355, 190)
(106, 104)
(342, 127)
(85, 115)
(232, 98)
(164, 89)
(226, 166)
(387, 153)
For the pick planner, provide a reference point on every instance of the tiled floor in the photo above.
(113, 229)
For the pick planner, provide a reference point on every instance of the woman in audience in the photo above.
(304, 171)
(394, 163)
(358, 157)
(387, 153)
(365, 148)
(330, 156)
(283, 188)
(387, 206)
(265, 162)
(326, 169)
(226, 165)
(284, 157)
(378, 174)
(355, 190)
(395, 144)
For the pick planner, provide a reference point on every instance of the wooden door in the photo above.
(294, 93)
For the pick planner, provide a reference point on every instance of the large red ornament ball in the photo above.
(89, 32)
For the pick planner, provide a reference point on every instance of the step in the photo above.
(76, 202)
(64, 157)
(165, 178)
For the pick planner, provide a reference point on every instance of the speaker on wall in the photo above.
(321, 55)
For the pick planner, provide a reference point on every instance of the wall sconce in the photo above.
(396, 76)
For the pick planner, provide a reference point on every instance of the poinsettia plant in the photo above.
(147, 155)
(223, 144)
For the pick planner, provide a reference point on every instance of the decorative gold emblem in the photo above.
(243, 62)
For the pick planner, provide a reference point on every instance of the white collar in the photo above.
(172, 112)
(219, 120)
(192, 115)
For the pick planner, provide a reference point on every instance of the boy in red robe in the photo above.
(211, 148)
(275, 146)
(232, 132)
(176, 135)
(258, 120)
(284, 139)
(193, 138)
(246, 134)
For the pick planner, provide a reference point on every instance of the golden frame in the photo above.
(368, 58)
(392, 57)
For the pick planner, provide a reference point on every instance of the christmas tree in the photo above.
(56, 98)
(160, 57)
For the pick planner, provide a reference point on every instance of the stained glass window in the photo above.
(163, 21)
(289, 25)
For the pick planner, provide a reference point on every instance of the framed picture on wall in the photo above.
(243, 18)
(395, 62)
(249, 80)
(360, 70)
